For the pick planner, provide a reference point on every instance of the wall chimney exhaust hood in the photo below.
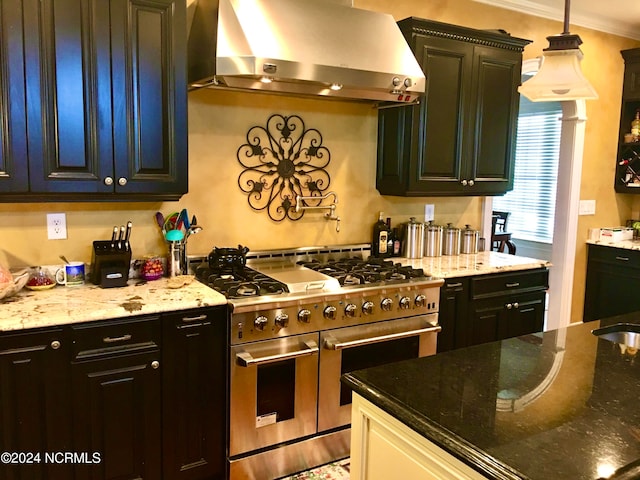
(301, 47)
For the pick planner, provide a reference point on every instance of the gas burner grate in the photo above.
(357, 271)
(240, 283)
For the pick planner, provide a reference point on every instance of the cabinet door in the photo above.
(485, 320)
(148, 55)
(116, 414)
(34, 414)
(453, 314)
(493, 119)
(440, 164)
(13, 124)
(526, 315)
(68, 96)
(194, 395)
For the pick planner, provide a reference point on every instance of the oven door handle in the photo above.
(245, 359)
(331, 343)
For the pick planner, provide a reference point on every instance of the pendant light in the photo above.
(560, 76)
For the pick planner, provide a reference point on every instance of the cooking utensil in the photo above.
(469, 240)
(114, 236)
(127, 235)
(174, 235)
(171, 221)
(64, 259)
(184, 219)
(413, 245)
(160, 220)
(228, 258)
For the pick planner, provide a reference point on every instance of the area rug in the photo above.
(332, 471)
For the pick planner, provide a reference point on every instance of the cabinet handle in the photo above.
(623, 259)
(155, 364)
(55, 344)
(194, 319)
(511, 285)
(123, 338)
(108, 181)
(509, 306)
(464, 183)
(471, 183)
(122, 181)
(454, 285)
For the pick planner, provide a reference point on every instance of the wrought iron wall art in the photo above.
(283, 161)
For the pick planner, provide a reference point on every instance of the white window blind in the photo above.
(533, 198)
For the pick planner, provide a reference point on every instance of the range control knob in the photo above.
(367, 308)
(304, 315)
(405, 303)
(420, 300)
(386, 304)
(260, 322)
(282, 320)
(330, 312)
(350, 310)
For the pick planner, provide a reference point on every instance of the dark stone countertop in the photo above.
(556, 405)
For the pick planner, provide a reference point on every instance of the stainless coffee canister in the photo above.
(432, 240)
(413, 235)
(469, 240)
(451, 240)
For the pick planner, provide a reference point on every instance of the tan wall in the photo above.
(219, 121)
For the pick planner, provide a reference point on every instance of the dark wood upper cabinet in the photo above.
(103, 98)
(627, 179)
(460, 139)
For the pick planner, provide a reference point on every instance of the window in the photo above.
(533, 198)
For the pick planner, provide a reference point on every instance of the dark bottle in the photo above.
(390, 238)
(379, 245)
(397, 245)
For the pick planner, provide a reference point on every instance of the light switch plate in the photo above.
(587, 207)
(56, 226)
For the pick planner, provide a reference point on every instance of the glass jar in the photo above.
(152, 267)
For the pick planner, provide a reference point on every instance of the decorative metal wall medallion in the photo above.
(281, 162)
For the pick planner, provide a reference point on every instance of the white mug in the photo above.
(72, 274)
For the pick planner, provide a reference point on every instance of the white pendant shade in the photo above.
(559, 78)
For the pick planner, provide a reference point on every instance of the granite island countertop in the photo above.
(64, 305)
(557, 405)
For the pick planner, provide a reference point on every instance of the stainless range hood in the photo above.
(301, 47)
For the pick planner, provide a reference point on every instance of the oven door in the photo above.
(352, 348)
(273, 395)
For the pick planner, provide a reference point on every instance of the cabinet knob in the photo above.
(108, 181)
(515, 305)
(122, 181)
(471, 183)
(464, 183)
(509, 306)
(55, 344)
(155, 364)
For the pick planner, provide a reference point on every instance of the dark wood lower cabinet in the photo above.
(34, 413)
(193, 420)
(613, 282)
(486, 308)
(137, 398)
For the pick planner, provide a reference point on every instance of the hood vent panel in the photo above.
(301, 47)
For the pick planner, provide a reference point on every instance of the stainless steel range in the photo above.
(300, 319)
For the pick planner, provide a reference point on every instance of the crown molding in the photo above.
(615, 26)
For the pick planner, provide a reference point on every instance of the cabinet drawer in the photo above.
(106, 338)
(506, 283)
(616, 256)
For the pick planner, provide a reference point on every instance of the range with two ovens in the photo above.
(299, 320)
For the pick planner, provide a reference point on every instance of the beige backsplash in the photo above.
(218, 124)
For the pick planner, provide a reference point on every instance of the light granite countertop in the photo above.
(482, 263)
(626, 244)
(64, 305)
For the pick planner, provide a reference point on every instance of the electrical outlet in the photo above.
(56, 226)
(429, 212)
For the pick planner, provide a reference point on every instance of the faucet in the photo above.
(330, 215)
